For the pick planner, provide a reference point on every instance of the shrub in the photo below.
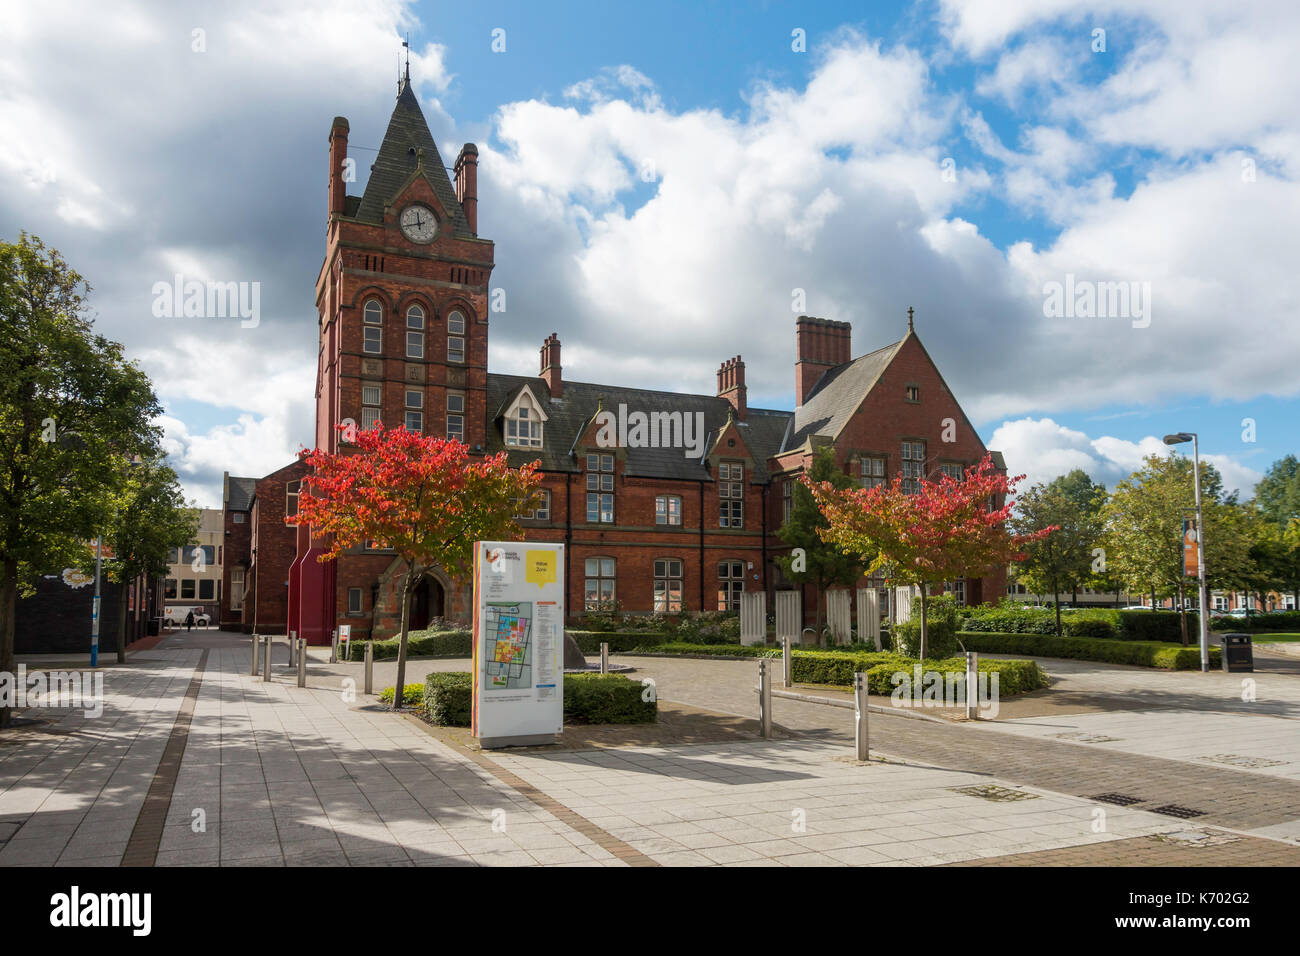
(607, 699)
(709, 627)
(713, 650)
(941, 621)
(1285, 621)
(1080, 626)
(837, 667)
(457, 642)
(1160, 654)
(620, 642)
(588, 699)
(412, 695)
(1155, 626)
(448, 698)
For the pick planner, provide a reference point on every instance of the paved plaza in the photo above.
(194, 762)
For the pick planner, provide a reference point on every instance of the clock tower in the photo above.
(402, 309)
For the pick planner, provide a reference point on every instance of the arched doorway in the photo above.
(427, 603)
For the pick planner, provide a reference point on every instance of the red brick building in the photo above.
(403, 306)
(260, 549)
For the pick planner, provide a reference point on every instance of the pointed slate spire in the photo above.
(408, 145)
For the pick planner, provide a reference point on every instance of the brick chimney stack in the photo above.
(466, 170)
(731, 385)
(338, 157)
(551, 366)
(820, 344)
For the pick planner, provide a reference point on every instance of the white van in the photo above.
(174, 615)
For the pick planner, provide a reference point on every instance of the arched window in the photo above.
(599, 592)
(415, 332)
(374, 312)
(455, 337)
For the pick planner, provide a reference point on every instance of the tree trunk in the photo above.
(817, 588)
(1074, 596)
(122, 590)
(8, 605)
(1182, 613)
(401, 644)
(924, 589)
(1057, 604)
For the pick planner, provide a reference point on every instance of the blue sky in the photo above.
(956, 156)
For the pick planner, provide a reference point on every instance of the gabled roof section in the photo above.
(568, 416)
(836, 396)
(407, 130)
(239, 493)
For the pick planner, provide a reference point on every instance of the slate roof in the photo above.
(836, 396)
(395, 163)
(568, 416)
(241, 493)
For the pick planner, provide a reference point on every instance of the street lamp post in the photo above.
(1204, 622)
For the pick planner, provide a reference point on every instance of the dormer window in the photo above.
(524, 421)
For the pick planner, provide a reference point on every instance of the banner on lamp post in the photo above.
(1191, 548)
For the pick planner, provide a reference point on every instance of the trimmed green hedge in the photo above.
(607, 699)
(1099, 623)
(620, 642)
(1285, 621)
(712, 650)
(588, 699)
(1160, 654)
(448, 698)
(838, 667)
(455, 643)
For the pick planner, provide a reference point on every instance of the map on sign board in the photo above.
(508, 651)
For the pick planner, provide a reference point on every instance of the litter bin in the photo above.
(1238, 655)
(155, 626)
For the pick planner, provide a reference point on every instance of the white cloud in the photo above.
(1042, 450)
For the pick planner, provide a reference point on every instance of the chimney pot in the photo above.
(466, 170)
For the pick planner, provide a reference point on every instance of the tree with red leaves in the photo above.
(426, 498)
(947, 529)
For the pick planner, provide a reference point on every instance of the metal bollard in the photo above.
(334, 646)
(293, 647)
(302, 662)
(860, 715)
(785, 660)
(257, 648)
(370, 667)
(764, 700)
(604, 657)
(266, 660)
(972, 685)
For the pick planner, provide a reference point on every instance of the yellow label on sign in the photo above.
(541, 567)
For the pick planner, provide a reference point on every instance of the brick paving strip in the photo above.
(1151, 851)
(142, 848)
(602, 838)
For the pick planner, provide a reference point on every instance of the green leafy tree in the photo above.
(1144, 530)
(1277, 496)
(149, 518)
(813, 560)
(70, 406)
(1063, 561)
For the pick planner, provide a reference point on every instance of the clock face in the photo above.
(418, 223)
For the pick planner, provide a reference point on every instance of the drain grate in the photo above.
(994, 793)
(1085, 738)
(1237, 760)
(1119, 799)
(1174, 810)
